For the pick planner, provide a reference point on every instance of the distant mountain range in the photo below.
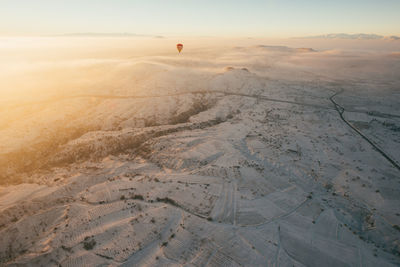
(123, 34)
(358, 36)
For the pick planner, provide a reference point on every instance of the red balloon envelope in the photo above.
(179, 47)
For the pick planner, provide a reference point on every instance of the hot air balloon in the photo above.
(179, 47)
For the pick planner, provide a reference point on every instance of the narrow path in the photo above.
(260, 97)
(341, 110)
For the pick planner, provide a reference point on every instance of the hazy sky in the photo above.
(256, 18)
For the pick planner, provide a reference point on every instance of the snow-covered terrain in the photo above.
(234, 156)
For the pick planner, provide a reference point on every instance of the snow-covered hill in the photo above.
(234, 159)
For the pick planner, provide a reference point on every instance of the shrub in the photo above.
(139, 197)
(89, 243)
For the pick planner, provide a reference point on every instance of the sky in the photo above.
(239, 18)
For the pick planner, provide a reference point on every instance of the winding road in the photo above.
(341, 111)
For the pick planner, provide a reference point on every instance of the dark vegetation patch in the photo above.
(138, 197)
(168, 200)
(66, 248)
(55, 151)
(115, 144)
(198, 107)
(89, 243)
(35, 156)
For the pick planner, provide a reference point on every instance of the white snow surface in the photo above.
(234, 159)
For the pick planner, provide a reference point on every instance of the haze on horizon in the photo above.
(253, 18)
